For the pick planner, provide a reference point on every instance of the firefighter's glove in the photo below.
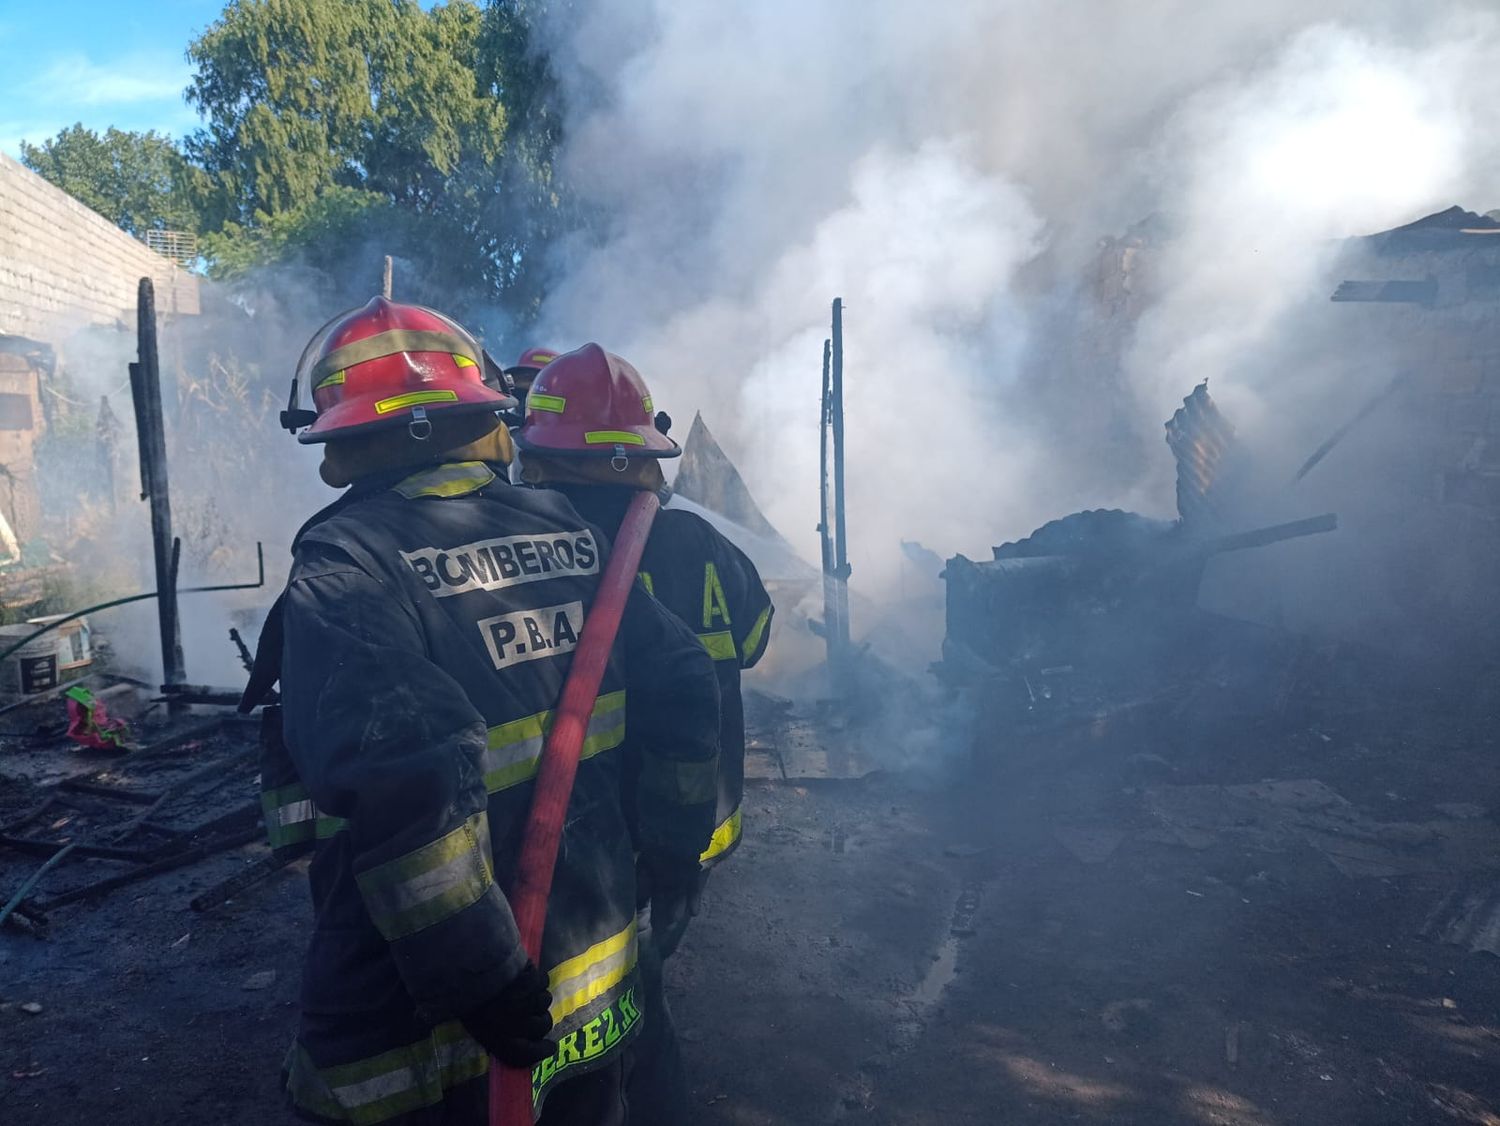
(513, 1025)
(674, 890)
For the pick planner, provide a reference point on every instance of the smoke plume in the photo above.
(949, 171)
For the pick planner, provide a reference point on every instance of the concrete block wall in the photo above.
(62, 266)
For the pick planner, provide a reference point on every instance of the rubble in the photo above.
(170, 804)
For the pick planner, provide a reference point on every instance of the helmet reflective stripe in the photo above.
(534, 359)
(390, 342)
(414, 398)
(539, 402)
(613, 438)
(334, 379)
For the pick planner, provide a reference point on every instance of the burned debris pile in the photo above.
(117, 780)
(82, 829)
(1287, 693)
(1099, 609)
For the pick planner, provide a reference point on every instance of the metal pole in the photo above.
(145, 390)
(830, 600)
(841, 540)
(385, 281)
(260, 581)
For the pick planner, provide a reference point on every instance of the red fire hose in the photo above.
(510, 1088)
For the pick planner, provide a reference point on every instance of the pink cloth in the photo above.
(89, 725)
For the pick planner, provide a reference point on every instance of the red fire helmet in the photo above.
(592, 403)
(387, 365)
(533, 360)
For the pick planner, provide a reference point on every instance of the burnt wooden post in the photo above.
(833, 526)
(841, 532)
(145, 391)
(825, 516)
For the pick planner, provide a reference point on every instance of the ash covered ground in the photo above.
(1252, 900)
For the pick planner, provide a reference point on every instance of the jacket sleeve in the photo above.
(673, 718)
(384, 739)
(748, 601)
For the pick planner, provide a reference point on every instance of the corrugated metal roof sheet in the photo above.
(1203, 442)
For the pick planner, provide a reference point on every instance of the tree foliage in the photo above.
(338, 131)
(528, 206)
(304, 99)
(139, 181)
(315, 234)
(301, 95)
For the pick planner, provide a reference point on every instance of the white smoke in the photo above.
(948, 170)
(1337, 134)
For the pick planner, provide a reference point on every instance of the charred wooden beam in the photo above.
(262, 870)
(145, 389)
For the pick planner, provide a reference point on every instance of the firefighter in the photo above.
(524, 371)
(423, 639)
(589, 434)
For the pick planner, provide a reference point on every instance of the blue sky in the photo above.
(101, 62)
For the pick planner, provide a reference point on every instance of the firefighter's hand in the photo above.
(513, 1025)
(674, 890)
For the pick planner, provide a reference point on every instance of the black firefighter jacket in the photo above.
(428, 630)
(708, 582)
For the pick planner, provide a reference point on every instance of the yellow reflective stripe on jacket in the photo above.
(715, 603)
(725, 837)
(375, 1090)
(394, 1083)
(720, 645)
(290, 815)
(592, 974)
(431, 883)
(515, 748)
(455, 479)
(292, 818)
(588, 1042)
(755, 640)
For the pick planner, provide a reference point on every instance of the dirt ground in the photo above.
(1111, 923)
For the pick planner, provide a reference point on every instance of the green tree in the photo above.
(527, 206)
(320, 231)
(139, 181)
(339, 130)
(301, 95)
